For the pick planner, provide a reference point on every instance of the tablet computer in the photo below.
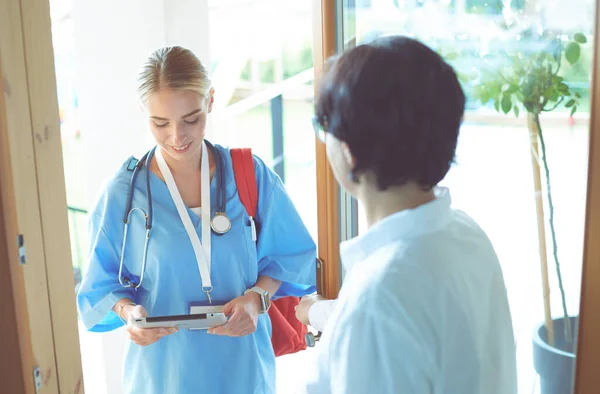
(196, 321)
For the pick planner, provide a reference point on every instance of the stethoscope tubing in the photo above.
(148, 215)
(145, 162)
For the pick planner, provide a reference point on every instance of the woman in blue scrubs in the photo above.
(234, 358)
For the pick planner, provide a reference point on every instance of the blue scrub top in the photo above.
(194, 361)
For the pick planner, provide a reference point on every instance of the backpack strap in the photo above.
(245, 179)
(288, 333)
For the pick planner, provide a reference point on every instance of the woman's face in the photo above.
(178, 121)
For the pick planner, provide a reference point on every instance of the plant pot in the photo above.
(554, 364)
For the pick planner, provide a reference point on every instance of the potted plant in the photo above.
(525, 75)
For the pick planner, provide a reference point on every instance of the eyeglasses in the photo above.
(320, 131)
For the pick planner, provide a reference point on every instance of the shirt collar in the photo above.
(403, 225)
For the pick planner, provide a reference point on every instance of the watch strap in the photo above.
(264, 297)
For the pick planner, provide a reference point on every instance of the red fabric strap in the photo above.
(245, 178)
(288, 332)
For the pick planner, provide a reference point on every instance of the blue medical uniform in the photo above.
(194, 361)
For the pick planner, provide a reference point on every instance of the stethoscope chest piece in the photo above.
(220, 223)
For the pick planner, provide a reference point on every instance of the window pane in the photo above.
(270, 109)
(270, 106)
(492, 179)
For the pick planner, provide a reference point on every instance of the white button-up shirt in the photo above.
(319, 313)
(423, 309)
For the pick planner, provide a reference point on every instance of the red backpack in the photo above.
(288, 332)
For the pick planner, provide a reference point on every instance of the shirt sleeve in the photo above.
(380, 340)
(286, 251)
(100, 288)
(319, 313)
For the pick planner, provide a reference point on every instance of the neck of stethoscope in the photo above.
(144, 162)
(220, 177)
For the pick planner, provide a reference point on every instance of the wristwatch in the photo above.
(265, 298)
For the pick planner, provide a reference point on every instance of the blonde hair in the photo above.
(174, 68)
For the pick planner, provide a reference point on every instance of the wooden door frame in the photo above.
(35, 180)
(15, 341)
(47, 143)
(587, 378)
(328, 196)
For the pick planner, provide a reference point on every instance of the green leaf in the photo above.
(451, 56)
(484, 97)
(573, 110)
(570, 103)
(497, 104)
(466, 77)
(563, 88)
(516, 110)
(556, 79)
(482, 94)
(580, 38)
(495, 90)
(573, 52)
(478, 92)
(506, 103)
(578, 95)
(513, 88)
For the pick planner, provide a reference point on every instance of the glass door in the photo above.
(522, 180)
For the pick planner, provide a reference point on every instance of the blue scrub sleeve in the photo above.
(286, 251)
(100, 288)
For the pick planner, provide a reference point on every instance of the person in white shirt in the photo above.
(423, 308)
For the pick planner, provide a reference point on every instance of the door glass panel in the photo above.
(270, 108)
(490, 43)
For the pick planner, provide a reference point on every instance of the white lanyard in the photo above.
(201, 249)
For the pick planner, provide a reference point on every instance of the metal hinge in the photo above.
(320, 276)
(37, 379)
(21, 246)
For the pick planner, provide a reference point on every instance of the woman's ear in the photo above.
(350, 160)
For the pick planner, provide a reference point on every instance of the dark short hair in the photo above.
(398, 105)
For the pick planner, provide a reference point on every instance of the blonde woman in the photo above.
(241, 263)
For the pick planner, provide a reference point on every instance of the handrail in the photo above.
(76, 210)
(265, 95)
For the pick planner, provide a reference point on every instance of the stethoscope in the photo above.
(220, 223)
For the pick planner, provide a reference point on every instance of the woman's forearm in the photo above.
(269, 284)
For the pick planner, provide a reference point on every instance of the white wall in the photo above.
(112, 39)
